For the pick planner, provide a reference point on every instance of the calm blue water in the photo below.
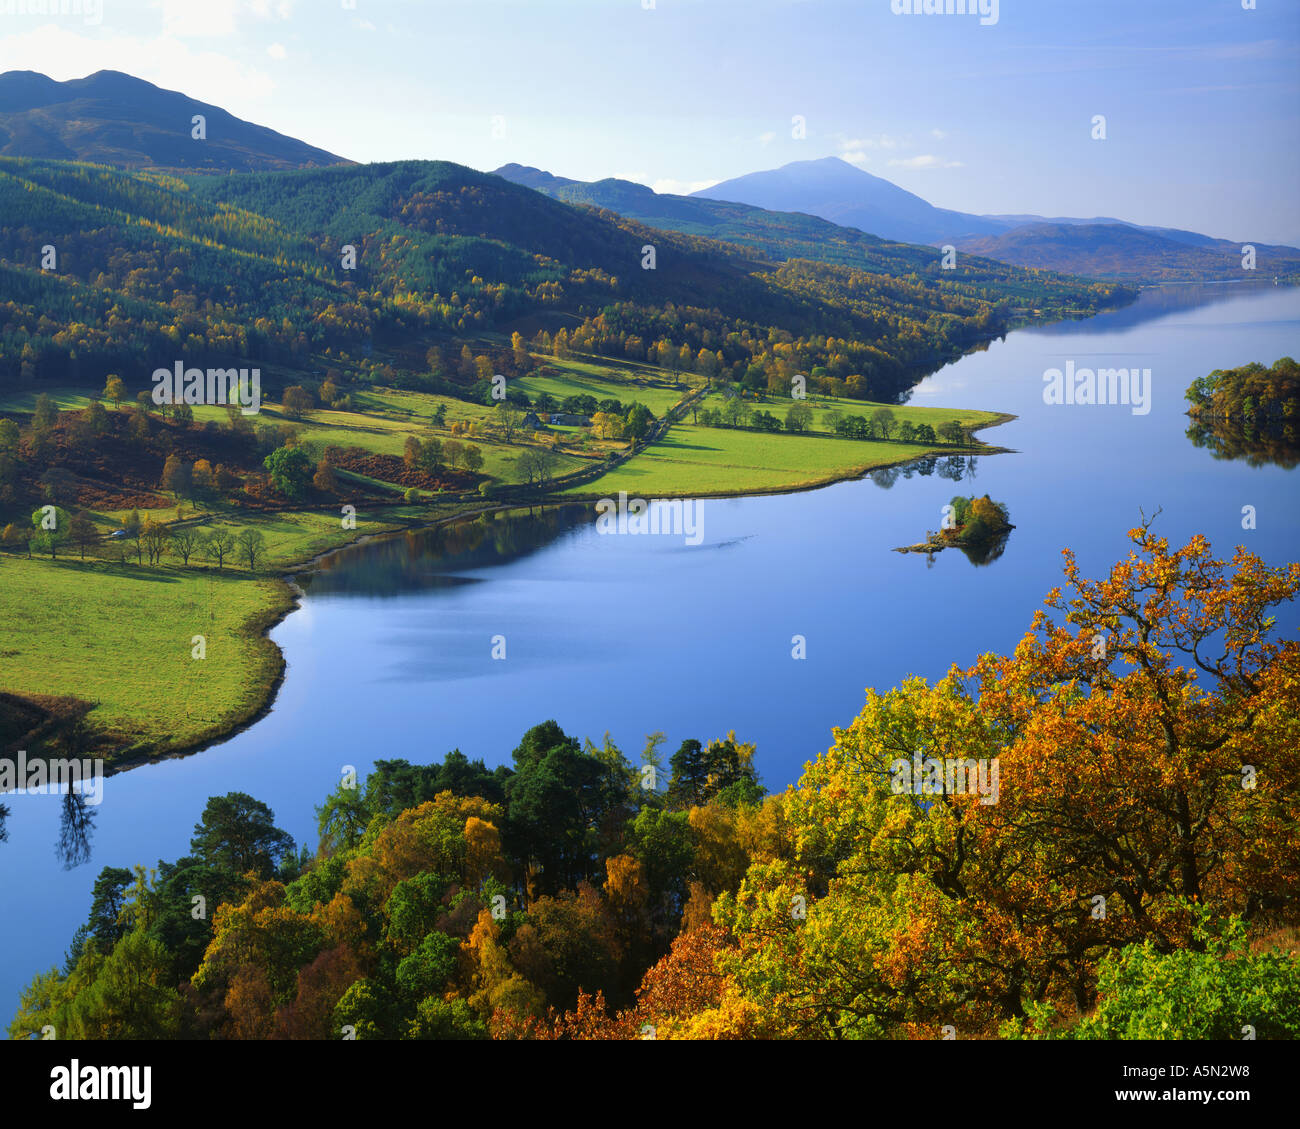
(390, 655)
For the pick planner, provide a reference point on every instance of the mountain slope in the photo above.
(1101, 247)
(788, 235)
(112, 118)
(844, 194)
(218, 270)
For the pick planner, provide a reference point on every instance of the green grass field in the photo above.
(708, 460)
(694, 459)
(120, 635)
(651, 387)
(122, 639)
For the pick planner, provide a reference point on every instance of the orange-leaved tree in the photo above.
(1138, 753)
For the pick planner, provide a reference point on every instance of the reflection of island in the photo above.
(979, 527)
(1250, 413)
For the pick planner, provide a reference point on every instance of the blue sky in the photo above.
(1201, 97)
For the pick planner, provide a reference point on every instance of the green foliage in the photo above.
(1224, 991)
(238, 834)
(442, 249)
(446, 1019)
(429, 969)
(291, 471)
(1250, 413)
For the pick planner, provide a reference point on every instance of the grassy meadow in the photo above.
(118, 635)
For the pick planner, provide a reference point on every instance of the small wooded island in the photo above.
(978, 526)
(1250, 413)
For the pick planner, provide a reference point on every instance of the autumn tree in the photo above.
(154, 536)
(431, 455)
(411, 452)
(1136, 755)
(325, 480)
(297, 401)
(202, 476)
(177, 477)
(523, 362)
(82, 531)
(606, 425)
(45, 415)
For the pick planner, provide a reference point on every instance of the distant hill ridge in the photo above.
(115, 119)
(780, 209)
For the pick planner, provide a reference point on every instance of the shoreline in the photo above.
(289, 594)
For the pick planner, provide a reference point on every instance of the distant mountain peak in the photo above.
(836, 190)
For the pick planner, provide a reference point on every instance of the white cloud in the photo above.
(187, 19)
(265, 9)
(197, 19)
(926, 161)
(879, 141)
(277, 51)
(665, 184)
(855, 156)
(681, 187)
(938, 134)
(767, 138)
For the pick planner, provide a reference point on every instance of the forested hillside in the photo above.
(796, 235)
(148, 268)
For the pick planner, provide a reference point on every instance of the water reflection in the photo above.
(76, 823)
(1257, 445)
(987, 550)
(955, 468)
(1155, 302)
(438, 558)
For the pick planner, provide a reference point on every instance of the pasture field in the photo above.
(121, 639)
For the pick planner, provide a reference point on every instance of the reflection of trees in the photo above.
(4, 832)
(1232, 439)
(953, 468)
(76, 824)
(1154, 302)
(986, 550)
(438, 557)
